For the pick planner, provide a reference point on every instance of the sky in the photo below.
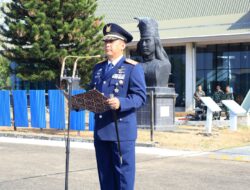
(1, 16)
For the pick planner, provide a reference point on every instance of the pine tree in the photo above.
(4, 73)
(38, 34)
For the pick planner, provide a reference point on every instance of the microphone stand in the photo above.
(70, 80)
(68, 138)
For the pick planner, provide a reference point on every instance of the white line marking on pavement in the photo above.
(47, 142)
(167, 152)
(90, 146)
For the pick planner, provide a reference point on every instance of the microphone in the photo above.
(77, 58)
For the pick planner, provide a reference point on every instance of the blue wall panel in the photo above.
(20, 108)
(56, 109)
(91, 121)
(5, 108)
(37, 106)
(77, 119)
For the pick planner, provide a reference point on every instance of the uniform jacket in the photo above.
(228, 96)
(218, 96)
(125, 81)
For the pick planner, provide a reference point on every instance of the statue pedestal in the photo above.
(164, 109)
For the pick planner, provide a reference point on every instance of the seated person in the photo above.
(199, 106)
(218, 97)
(227, 96)
(199, 93)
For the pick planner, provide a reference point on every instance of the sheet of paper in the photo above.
(92, 101)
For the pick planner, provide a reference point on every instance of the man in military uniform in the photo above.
(218, 97)
(123, 81)
(227, 96)
(199, 106)
(199, 93)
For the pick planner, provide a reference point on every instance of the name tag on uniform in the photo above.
(118, 76)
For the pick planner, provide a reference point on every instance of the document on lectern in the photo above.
(92, 100)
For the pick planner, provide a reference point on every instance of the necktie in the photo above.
(109, 67)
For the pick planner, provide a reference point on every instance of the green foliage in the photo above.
(4, 73)
(38, 34)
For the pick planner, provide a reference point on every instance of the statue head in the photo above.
(149, 46)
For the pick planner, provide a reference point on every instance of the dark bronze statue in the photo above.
(156, 63)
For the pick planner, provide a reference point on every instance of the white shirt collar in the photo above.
(115, 61)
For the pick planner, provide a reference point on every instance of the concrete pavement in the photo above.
(40, 165)
(236, 154)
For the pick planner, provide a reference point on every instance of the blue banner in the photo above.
(20, 108)
(77, 119)
(5, 108)
(37, 108)
(56, 109)
(91, 121)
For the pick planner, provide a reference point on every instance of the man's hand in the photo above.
(114, 103)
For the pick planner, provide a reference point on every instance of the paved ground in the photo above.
(235, 154)
(40, 167)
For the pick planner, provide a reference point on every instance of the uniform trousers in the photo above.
(112, 174)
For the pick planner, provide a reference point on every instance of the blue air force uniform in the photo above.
(126, 82)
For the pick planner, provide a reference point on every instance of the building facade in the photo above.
(208, 42)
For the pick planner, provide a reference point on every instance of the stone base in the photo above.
(244, 121)
(164, 109)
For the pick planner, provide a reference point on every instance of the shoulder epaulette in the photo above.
(131, 61)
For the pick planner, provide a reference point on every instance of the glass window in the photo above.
(245, 56)
(222, 76)
(200, 78)
(235, 80)
(177, 59)
(210, 57)
(234, 56)
(210, 80)
(222, 57)
(200, 58)
(225, 64)
(206, 57)
(244, 81)
(240, 83)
